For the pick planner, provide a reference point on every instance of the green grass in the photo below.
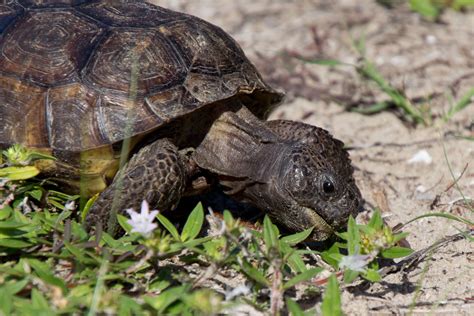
(430, 9)
(396, 98)
(50, 265)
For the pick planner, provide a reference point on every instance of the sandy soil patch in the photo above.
(434, 64)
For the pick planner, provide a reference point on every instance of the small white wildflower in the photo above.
(239, 290)
(3, 182)
(142, 222)
(25, 207)
(221, 231)
(421, 157)
(70, 206)
(7, 200)
(354, 262)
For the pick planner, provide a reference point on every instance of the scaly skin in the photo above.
(156, 173)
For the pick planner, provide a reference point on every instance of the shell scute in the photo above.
(134, 59)
(129, 14)
(89, 74)
(22, 121)
(71, 118)
(48, 47)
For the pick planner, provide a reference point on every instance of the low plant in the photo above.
(50, 265)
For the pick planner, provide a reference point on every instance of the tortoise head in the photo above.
(300, 182)
(313, 189)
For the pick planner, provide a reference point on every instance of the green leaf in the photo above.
(228, 218)
(35, 155)
(399, 236)
(15, 287)
(426, 8)
(128, 306)
(331, 305)
(296, 263)
(169, 227)
(350, 275)
(19, 173)
(372, 275)
(56, 204)
(323, 62)
(396, 252)
(14, 243)
(122, 220)
(78, 254)
(294, 308)
(368, 70)
(305, 276)
(166, 298)
(461, 104)
(254, 273)
(193, 225)
(327, 255)
(372, 109)
(6, 302)
(196, 242)
(36, 194)
(444, 215)
(298, 237)
(376, 221)
(5, 212)
(353, 237)
(43, 270)
(270, 234)
(38, 300)
(459, 4)
(88, 206)
(12, 224)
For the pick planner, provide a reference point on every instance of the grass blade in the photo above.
(369, 71)
(270, 233)
(304, 276)
(298, 237)
(445, 215)
(331, 305)
(466, 100)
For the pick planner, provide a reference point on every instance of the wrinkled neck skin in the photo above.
(238, 145)
(248, 159)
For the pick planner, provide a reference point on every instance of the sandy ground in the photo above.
(434, 64)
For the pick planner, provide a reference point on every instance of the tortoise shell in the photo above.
(78, 75)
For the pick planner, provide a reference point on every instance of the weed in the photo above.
(49, 264)
(432, 9)
(368, 71)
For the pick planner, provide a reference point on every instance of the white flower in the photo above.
(354, 262)
(70, 206)
(240, 290)
(24, 206)
(142, 222)
(3, 182)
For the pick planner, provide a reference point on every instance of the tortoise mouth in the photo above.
(322, 230)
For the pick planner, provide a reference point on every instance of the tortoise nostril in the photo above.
(351, 195)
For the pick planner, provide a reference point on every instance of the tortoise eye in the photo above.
(328, 187)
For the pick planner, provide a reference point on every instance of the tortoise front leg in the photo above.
(156, 173)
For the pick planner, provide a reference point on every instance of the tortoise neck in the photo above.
(237, 145)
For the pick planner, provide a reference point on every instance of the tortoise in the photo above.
(93, 81)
